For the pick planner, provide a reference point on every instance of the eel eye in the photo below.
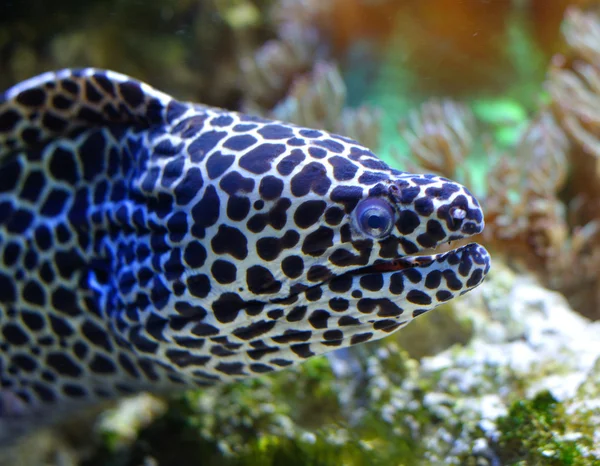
(375, 217)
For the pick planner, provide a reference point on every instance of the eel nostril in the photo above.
(457, 213)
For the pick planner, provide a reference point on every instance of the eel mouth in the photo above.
(449, 257)
(400, 263)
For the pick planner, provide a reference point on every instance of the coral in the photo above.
(269, 71)
(318, 100)
(440, 136)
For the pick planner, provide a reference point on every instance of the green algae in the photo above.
(533, 433)
(293, 418)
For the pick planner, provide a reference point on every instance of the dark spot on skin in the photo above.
(317, 152)
(254, 330)
(63, 365)
(223, 271)
(348, 196)
(238, 208)
(173, 171)
(334, 216)
(292, 335)
(443, 295)
(259, 159)
(199, 285)
(296, 314)
(183, 358)
(318, 273)
(310, 133)
(309, 213)
(339, 304)
(239, 143)
(387, 325)
(260, 280)
(177, 226)
(290, 162)
(343, 169)
(227, 307)
(10, 175)
(217, 164)
(268, 248)
(316, 243)
(340, 283)
(20, 221)
(318, 319)
(241, 128)
(407, 222)
(302, 350)
(231, 368)
(313, 294)
(63, 166)
(33, 293)
(413, 275)
(203, 144)
(8, 293)
(230, 240)
(189, 186)
(292, 266)
(234, 182)
(204, 330)
(260, 368)
(270, 187)
(222, 120)
(475, 279)
(276, 131)
(102, 365)
(313, 177)
(371, 178)
(34, 97)
(330, 145)
(418, 297)
(360, 338)
(9, 120)
(131, 93)
(14, 335)
(206, 212)
(433, 280)
(452, 280)
(371, 282)
(388, 308)
(96, 335)
(92, 155)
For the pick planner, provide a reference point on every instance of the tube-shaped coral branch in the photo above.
(317, 100)
(582, 33)
(440, 137)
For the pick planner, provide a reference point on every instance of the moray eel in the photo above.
(150, 244)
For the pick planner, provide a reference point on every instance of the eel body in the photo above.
(151, 244)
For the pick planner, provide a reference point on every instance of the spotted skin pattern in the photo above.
(148, 244)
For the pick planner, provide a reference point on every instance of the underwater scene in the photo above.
(218, 218)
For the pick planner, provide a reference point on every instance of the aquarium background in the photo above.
(500, 95)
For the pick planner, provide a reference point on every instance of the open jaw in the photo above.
(370, 302)
(391, 293)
